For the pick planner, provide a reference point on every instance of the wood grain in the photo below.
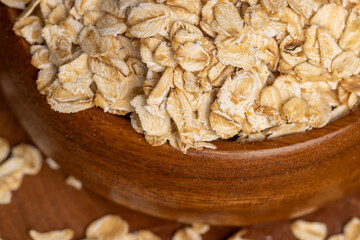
(45, 203)
(237, 184)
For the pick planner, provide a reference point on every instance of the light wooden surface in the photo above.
(236, 184)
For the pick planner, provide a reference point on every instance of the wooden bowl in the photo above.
(237, 184)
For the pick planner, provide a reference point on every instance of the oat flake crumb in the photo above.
(73, 182)
(52, 164)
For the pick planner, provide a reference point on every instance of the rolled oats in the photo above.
(291, 51)
(59, 43)
(331, 17)
(76, 76)
(66, 234)
(73, 182)
(286, 129)
(19, 4)
(305, 8)
(263, 118)
(5, 196)
(93, 43)
(31, 155)
(309, 230)
(30, 29)
(29, 9)
(83, 6)
(186, 10)
(294, 22)
(11, 174)
(90, 17)
(227, 19)
(57, 15)
(64, 101)
(45, 79)
(52, 164)
(73, 28)
(149, 19)
(47, 6)
(191, 72)
(190, 233)
(311, 45)
(155, 121)
(271, 97)
(352, 229)
(108, 227)
(349, 39)
(40, 58)
(339, 112)
(337, 237)
(345, 65)
(308, 72)
(143, 235)
(200, 228)
(238, 51)
(274, 5)
(223, 127)
(110, 25)
(164, 55)
(329, 48)
(295, 110)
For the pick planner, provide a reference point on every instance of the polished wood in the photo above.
(237, 184)
(45, 203)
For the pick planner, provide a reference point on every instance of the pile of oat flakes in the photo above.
(194, 71)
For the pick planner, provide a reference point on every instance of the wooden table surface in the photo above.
(45, 203)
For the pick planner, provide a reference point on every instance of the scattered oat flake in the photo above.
(143, 235)
(200, 228)
(73, 182)
(337, 237)
(304, 230)
(19, 4)
(108, 227)
(66, 234)
(32, 156)
(5, 196)
(352, 229)
(192, 232)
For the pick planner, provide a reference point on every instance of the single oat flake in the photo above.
(73, 182)
(66, 234)
(108, 227)
(31, 155)
(192, 232)
(52, 164)
(193, 72)
(304, 230)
